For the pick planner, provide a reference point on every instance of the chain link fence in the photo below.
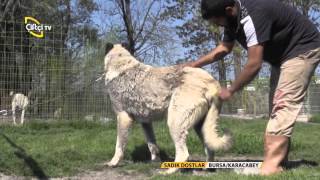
(56, 73)
(253, 101)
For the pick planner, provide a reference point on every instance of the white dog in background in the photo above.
(19, 102)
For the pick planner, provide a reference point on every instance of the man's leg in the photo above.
(295, 75)
(274, 78)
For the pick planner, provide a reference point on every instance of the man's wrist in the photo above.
(187, 64)
(232, 90)
(193, 64)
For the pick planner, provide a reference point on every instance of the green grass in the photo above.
(61, 148)
(67, 148)
(315, 118)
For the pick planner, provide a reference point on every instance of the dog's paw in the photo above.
(248, 171)
(155, 159)
(111, 164)
(168, 171)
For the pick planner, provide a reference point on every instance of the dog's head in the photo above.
(117, 60)
(110, 46)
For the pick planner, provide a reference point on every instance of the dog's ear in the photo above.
(126, 46)
(109, 46)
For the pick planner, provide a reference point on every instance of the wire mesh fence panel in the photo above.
(58, 73)
(312, 102)
(58, 79)
(253, 100)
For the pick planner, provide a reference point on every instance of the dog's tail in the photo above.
(210, 132)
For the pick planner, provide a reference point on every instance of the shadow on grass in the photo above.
(142, 154)
(29, 161)
(298, 163)
(289, 165)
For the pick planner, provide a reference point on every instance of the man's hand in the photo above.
(225, 94)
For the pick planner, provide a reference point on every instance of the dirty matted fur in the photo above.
(139, 92)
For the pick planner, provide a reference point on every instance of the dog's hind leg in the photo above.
(151, 141)
(22, 115)
(183, 113)
(14, 115)
(179, 137)
(124, 122)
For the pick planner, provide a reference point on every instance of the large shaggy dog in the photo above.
(139, 92)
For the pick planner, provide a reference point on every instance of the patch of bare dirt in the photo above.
(107, 173)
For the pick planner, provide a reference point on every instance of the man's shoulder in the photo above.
(265, 10)
(260, 6)
(259, 2)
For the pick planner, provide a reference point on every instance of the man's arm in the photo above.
(250, 70)
(217, 53)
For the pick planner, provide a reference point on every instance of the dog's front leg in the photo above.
(151, 141)
(22, 115)
(124, 122)
(14, 115)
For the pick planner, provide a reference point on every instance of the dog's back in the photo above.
(145, 91)
(19, 100)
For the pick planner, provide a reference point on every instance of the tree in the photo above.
(142, 26)
(198, 36)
